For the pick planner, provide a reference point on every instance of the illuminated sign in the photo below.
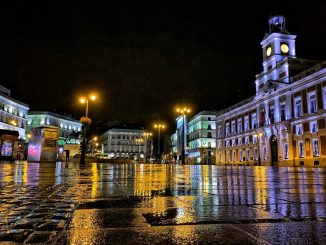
(7, 148)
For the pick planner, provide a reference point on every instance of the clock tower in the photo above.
(277, 44)
(278, 49)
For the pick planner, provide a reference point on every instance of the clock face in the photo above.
(269, 51)
(284, 48)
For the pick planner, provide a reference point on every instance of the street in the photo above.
(105, 203)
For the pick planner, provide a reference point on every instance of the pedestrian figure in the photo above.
(67, 155)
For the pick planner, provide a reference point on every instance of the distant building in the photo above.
(202, 138)
(69, 128)
(124, 143)
(199, 140)
(284, 123)
(173, 144)
(13, 113)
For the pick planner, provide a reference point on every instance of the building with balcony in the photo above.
(13, 113)
(201, 138)
(125, 144)
(284, 123)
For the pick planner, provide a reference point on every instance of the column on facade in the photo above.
(277, 116)
(266, 106)
(257, 116)
(288, 107)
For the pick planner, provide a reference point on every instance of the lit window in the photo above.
(234, 156)
(285, 151)
(246, 124)
(313, 127)
(247, 140)
(255, 153)
(219, 132)
(219, 145)
(271, 114)
(298, 107)
(312, 103)
(264, 153)
(233, 128)
(301, 149)
(228, 156)
(315, 147)
(227, 129)
(239, 141)
(239, 125)
(253, 121)
(282, 112)
(240, 155)
(299, 130)
(233, 142)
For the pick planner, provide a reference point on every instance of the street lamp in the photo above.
(258, 135)
(14, 124)
(85, 120)
(182, 111)
(159, 126)
(139, 141)
(147, 136)
(96, 144)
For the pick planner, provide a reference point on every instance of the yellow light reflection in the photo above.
(95, 179)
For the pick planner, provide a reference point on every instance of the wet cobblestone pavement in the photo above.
(161, 204)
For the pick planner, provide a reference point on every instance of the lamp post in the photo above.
(85, 120)
(258, 135)
(139, 141)
(182, 112)
(147, 136)
(95, 140)
(159, 126)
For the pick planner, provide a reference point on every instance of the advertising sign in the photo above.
(7, 148)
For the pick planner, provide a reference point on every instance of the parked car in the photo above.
(102, 155)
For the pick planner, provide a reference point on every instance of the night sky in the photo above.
(144, 57)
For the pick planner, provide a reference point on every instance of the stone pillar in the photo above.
(277, 117)
(288, 106)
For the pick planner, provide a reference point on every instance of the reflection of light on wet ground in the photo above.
(95, 180)
(148, 195)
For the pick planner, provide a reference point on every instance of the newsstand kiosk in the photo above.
(42, 145)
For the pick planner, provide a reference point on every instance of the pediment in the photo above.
(269, 88)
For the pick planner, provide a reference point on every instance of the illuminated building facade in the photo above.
(69, 129)
(284, 123)
(124, 143)
(199, 139)
(173, 143)
(13, 114)
(202, 138)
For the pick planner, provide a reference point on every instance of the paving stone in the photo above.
(40, 237)
(52, 225)
(18, 236)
